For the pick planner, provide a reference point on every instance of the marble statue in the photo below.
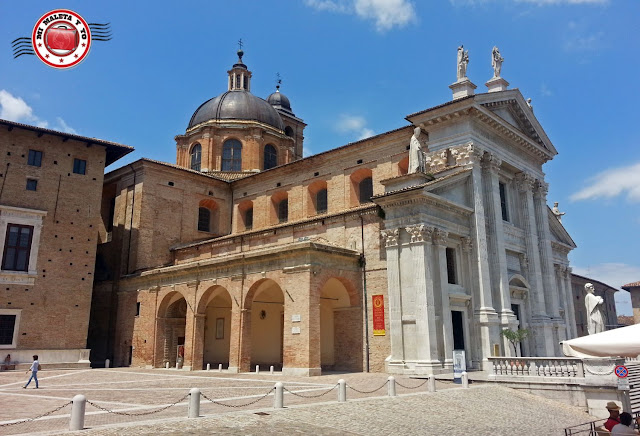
(416, 156)
(594, 306)
(463, 60)
(496, 61)
(556, 211)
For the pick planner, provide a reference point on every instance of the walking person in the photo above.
(35, 367)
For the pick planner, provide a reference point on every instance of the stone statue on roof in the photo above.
(416, 155)
(496, 61)
(594, 305)
(556, 211)
(463, 61)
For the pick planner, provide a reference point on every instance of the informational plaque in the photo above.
(378, 315)
(459, 365)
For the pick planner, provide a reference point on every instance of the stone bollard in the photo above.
(107, 362)
(342, 391)
(432, 383)
(391, 388)
(257, 369)
(177, 365)
(166, 365)
(194, 403)
(79, 403)
(220, 367)
(208, 367)
(465, 379)
(271, 369)
(278, 399)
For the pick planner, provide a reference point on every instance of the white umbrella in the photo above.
(624, 342)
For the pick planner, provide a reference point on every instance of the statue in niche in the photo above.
(463, 60)
(416, 155)
(496, 61)
(594, 305)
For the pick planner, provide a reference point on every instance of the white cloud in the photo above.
(545, 91)
(614, 275)
(386, 14)
(532, 2)
(611, 183)
(354, 124)
(14, 108)
(581, 42)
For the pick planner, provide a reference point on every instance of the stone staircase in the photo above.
(634, 381)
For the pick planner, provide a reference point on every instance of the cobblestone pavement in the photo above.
(483, 409)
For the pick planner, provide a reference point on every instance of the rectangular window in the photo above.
(7, 328)
(503, 201)
(17, 247)
(451, 266)
(138, 308)
(35, 158)
(248, 219)
(79, 166)
(112, 212)
(32, 185)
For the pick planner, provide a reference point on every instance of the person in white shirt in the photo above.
(624, 428)
(35, 366)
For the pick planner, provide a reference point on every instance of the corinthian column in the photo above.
(390, 238)
(571, 308)
(544, 245)
(442, 288)
(495, 238)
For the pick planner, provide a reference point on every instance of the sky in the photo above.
(356, 68)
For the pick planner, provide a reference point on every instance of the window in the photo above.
(232, 155)
(32, 184)
(365, 190)
(283, 211)
(79, 166)
(138, 308)
(321, 201)
(503, 201)
(451, 266)
(17, 247)
(270, 156)
(248, 219)
(9, 319)
(196, 157)
(35, 158)
(204, 219)
(112, 212)
(288, 131)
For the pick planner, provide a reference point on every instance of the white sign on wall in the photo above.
(296, 318)
(295, 330)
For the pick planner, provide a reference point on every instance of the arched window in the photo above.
(248, 219)
(365, 190)
(321, 201)
(283, 210)
(288, 131)
(204, 219)
(270, 156)
(232, 155)
(196, 157)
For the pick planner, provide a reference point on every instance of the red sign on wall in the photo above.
(378, 315)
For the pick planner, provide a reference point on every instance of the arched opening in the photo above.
(403, 166)
(172, 316)
(280, 207)
(317, 198)
(196, 157)
(208, 216)
(340, 327)
(361, 187)
(519, 291)
(265, 300)
(232, 155)
(215, 305)
(270, 157)
(245, 215)
(288, 131)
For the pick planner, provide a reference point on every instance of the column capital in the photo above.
(390, 237)
(468, 154)
(467, 243)
(560, 269)
(491, 162)
(525, 182)
(541, 188)
(419, 232)
(440, 237)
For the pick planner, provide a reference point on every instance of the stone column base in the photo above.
(301, 372)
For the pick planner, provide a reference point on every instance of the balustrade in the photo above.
(537, 366)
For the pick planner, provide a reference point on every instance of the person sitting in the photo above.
(614, 415)
(624, 428)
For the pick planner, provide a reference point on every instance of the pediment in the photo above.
(455, 189)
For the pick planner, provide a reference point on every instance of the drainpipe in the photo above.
(363, 264)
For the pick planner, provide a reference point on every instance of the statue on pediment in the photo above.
(463, 61)
(416, 155)
(496, 61)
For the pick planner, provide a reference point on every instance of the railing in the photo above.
(593, 428)
(537, 366)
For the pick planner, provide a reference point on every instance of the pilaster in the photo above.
(571, 308)
(390, 239)
(442, 288)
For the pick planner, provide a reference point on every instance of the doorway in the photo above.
(457, 321)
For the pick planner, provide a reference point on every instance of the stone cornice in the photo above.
(410, 197)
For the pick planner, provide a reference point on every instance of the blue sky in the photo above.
(354, 68)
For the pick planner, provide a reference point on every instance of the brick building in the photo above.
(50, 191)
(244, 253)
(634, 291)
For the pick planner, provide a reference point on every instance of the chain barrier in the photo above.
(311, 396)
(367, 392)
(115, 412)
(238, 405)
(411, 387)
(37, 417)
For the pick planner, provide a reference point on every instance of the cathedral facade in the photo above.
(244, 253)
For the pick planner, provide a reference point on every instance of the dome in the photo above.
(237, 105)
(279, 101)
